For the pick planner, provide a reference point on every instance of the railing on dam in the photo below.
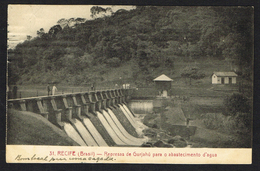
(35, 91)
(74, 104)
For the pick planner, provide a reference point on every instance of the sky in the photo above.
(25, 20)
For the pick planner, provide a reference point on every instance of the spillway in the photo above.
(118, 131)
(85, 134)
(89, 118)
(139, 127)
(91, 128)
(124, 121)
(128, 117)
(136, 120)
(110, 131)
(123, 130)
(73, 134)
(101, 129)
(126, 108)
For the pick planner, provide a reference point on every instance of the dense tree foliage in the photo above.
(152, 37)
(239, 107)
(192, 72)
(236, 103)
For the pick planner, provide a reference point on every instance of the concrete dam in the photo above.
(95, 118)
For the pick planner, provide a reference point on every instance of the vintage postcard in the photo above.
(130, 84)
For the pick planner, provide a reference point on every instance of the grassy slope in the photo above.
(111, 76)
(27, 128)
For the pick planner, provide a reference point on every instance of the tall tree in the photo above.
(192, 72)
(95, 10)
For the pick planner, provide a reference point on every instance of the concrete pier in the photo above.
(72, 105)
(88, 114)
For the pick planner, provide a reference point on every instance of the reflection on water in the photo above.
(73, 134)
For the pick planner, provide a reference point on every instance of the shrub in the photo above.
(236, 103)
(113, 62)
(213, 120)
(227, 124)
(192, 72)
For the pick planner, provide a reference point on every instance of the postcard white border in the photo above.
(72, 154)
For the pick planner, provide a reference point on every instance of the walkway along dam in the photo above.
(95, 118)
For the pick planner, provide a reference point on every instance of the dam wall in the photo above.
(95, 118)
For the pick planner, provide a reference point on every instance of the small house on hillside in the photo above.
(163, 85)
(224, 78)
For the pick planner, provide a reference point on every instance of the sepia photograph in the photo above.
(129, 84)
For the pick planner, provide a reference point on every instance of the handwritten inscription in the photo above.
(19, 158)
(85, 156)
(58, 159)
(34, 157)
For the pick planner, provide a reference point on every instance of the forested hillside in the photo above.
(136, 45)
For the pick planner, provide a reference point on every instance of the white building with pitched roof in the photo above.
(224, 78)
